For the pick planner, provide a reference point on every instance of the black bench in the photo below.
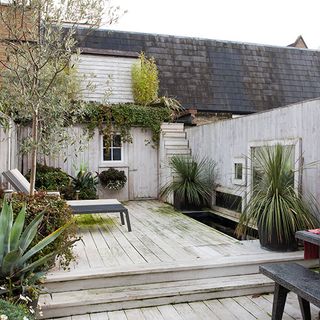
(296, 278)
(100, 206)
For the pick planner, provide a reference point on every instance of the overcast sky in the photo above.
(274, 22)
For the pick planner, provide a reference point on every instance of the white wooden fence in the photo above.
(8, 149)
(226, 142)
(230, 141)
(140, 162)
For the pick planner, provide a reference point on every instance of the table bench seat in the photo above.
(100, 206)
(296, 278)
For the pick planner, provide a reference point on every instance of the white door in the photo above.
(143, 166)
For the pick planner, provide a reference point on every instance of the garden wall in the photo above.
(140, 162)
(230, 141)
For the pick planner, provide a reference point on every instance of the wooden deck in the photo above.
(169, 267)
(160, 235)
(239, 308)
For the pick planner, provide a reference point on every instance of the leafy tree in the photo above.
(39, 80)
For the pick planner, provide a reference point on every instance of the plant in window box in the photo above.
(113, 179)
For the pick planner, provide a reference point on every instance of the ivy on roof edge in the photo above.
(122, 117)
(110, 118)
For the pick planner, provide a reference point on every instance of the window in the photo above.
(295, 161)
(239, 172)
(112, 148)
(257, 170)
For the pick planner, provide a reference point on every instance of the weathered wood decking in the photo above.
(168, 259)
(239, 308)
(160, 235)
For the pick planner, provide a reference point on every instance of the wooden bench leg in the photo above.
(305, 308)
(279, 301)
(128, 220)
(121, 218)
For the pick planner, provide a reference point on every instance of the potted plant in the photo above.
(275, 206)
(192, 183)
(84, 185)
(113, 179)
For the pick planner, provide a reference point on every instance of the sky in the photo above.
(273, 22)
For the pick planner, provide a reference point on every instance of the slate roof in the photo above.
(220, 76)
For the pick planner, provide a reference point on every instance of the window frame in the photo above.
(103, 161)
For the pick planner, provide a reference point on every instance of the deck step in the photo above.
(146, 295)
(177, 271)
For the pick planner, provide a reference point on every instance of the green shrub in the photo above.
(68, 193)
(50, 178)
(145, 83)
(56, 214)
(84, 182)
(14, 311)
(113, 179)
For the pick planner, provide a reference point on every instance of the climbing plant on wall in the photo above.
(121, 117)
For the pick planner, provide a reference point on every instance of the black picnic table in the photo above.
(296, 278)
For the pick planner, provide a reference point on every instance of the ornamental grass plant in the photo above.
(275, 205)
(193, 180)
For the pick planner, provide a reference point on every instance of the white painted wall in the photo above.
(111, 77)
(139, 163)
(228, 139)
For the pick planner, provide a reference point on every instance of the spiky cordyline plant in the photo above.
(275, 206)
(193, 179)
